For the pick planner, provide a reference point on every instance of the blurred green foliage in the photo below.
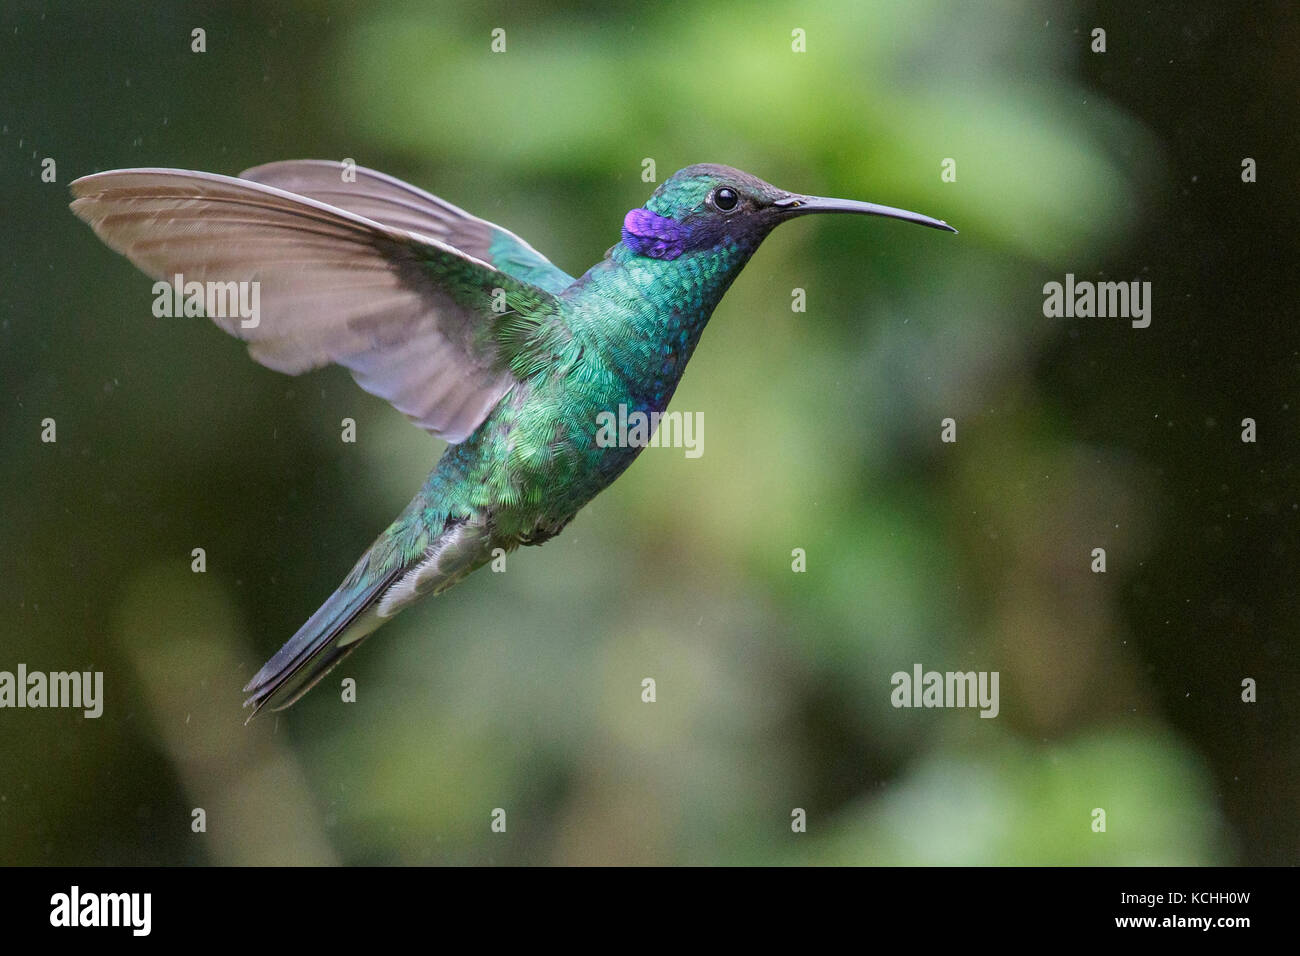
(522, 690)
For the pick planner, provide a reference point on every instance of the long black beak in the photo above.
(803, 205)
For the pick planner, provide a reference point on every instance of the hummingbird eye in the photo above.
(725, 199)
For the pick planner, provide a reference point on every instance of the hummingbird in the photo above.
(462, 326)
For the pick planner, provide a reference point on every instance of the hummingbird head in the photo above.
(707, 206)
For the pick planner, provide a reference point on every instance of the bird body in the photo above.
(464, 327)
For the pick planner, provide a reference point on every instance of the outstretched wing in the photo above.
(388, 200)
(426, 326)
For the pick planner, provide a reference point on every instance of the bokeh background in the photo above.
(522, 690)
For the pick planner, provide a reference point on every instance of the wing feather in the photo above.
(387, 199)
(409, 315)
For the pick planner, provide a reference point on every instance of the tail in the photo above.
(362, 604)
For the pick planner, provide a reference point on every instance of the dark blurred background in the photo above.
(521, 690)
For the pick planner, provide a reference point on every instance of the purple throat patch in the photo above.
(647, 234)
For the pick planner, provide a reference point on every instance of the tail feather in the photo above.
(355, 611)
(333, 632)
